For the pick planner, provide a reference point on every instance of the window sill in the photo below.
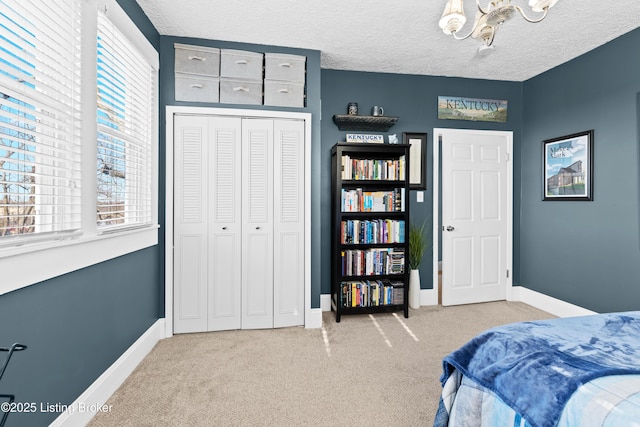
(26, 266)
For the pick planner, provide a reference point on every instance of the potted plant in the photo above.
(417, 246)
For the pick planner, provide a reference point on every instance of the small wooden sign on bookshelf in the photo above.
(362, 137)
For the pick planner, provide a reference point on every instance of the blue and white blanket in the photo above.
(535, 367)
(611, 401)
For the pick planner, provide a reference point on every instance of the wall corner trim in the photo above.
(102, 388)
(313, 319)
(546, 303)
(325, 302)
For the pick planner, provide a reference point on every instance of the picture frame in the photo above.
(568, 167)
(417, 142)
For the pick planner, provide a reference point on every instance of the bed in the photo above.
(577, 371)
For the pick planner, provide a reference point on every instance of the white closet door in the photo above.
(288, 229)
(257, 219)
(239, 223)
(225, 224)
(190, 228)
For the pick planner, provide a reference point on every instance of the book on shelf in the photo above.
(371, 293)
(372, 261)
(360, 200)
(374, 231)
(373, 169)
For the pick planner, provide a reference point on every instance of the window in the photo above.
(78, 137)
(39, 119)
(125, 118)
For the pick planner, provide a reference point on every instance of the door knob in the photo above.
(257, 228)
(224, 228)
(450, 228)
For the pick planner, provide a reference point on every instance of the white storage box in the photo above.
(197, 60)
(280, 66)
(283, 94)
(235, 91)
(197, 88)
(240, 64)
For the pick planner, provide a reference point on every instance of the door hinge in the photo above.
(506, 156)
(507, 274)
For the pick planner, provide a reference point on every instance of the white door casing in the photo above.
(476, 215)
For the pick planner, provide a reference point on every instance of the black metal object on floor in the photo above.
(15, 347)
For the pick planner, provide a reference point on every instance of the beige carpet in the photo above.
(379, 370)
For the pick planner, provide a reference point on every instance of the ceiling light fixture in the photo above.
(488, 19)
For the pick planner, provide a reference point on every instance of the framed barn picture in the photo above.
(568, 167)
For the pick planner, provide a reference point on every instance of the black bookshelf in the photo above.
(369, 228)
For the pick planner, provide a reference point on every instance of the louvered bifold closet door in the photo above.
(288, 228)
(191, 225)
(225, 224)
(257, 220)
(207, 228)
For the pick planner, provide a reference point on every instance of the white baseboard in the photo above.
(314, 318)
(546, 303)
(325, 302)
(428, 297)
(518, 293)
(94, 398)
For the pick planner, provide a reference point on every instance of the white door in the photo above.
(225, 224)
(239, 249)
(476, 215)
(207, 226)
(190, 224)
(288, 229)
(257, 219)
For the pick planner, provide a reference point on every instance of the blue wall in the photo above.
(414, 100)
(78, 324)
(586, 253)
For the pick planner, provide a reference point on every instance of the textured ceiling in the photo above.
(402, 37)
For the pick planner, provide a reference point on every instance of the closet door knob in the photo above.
(257, 228)
(224, 228)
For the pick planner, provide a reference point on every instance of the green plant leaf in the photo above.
(417, 245)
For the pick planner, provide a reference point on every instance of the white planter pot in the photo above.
(414, 289)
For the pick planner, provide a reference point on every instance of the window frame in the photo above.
(33, 262)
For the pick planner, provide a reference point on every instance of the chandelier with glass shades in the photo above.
(488, 19)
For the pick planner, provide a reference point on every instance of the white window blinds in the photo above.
(126, 108)
(39, 117)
